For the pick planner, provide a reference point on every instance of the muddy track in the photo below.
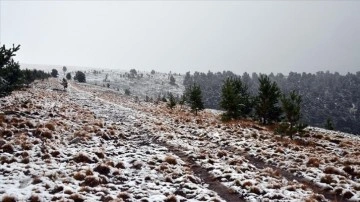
(214, 185)
(260, 164)
(289, 176)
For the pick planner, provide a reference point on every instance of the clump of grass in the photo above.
(47, 134)
(36, 180)
(313, 162)
(170, 160)
(171, 198)
(89, 172)
(82, 158)
(8, 148)
(77, 198)
(255, 190)
(333, 170)
(102, 169)
(25, 160)
(328, 179)
(120, 165)
(349, 170)
(7, 198)
(124, 196)
(221, 153)
(90, 181)
(26, 145)
(279, 150)
(79, 176)
(348, 194)
(50, 126)
(137, 165)
(100, 154)
(246, 184)
(34, 198)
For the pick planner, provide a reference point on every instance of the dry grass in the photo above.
(7, 198)
(8, 148)
(328, 179)
(79, 176)
(120, 165)
(90, 181)
(137, 165)
(170, 160)
(171, 198)
(77, 198)
(313, 162)
(102, 169)
(82, 158)
(333, 170)
(34, 198)
(50, 126)
(124, 196)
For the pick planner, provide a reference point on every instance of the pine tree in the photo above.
(193, 94)
(64, 70)
(68, 76)
(172, 80)
(267, 108)
(291, 106)
(235, 99)
(54, 73)
(80, 77)
(172, 102)
(329, 124)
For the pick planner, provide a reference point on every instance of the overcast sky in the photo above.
(259, 36)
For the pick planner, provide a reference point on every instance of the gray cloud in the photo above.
(264, 36)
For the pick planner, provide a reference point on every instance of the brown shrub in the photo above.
(77, 198)
(171, 198)
(100, 154)
(328, 179)
(255, 190)
(90, 181)
(68, 192)
(50, 126)
(47, 134)
(26, 145)
(170, 160)
(124, 196)
(34, 198)
(89, 172)
(82, 158)
(349, 170)
(137, 165)
(221, 153)
(348, 194)
(279, 150)
(79, 176)
(25, 160)
(55, 153)
(7, 198)
(102, 169)
(8, 148)
(246, 184)
(313, 162)
(333, 170)
(120, 165)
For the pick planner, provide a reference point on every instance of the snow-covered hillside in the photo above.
(93, 144)
(143, 84)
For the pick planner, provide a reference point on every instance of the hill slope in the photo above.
(92, 144)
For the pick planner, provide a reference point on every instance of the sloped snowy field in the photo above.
(94, 144)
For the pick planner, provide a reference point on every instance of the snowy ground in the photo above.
(91, 143)
(144, 84)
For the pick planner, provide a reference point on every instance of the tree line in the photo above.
(327, 99)
(11, 76)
